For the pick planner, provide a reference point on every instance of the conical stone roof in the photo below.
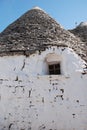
(81, 31)
(36, 30)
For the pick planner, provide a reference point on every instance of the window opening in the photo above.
(54, 69)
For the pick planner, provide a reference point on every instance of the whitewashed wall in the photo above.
(30, 99)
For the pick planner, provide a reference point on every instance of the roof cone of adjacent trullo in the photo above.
(36, 30)
(81, 31)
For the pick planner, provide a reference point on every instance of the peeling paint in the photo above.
(41, 102)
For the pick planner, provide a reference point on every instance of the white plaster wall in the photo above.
(32, 100)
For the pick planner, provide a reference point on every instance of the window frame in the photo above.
(55, 69)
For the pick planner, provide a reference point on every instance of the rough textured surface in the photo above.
(32, 100)
(81, 32)
(36, 30)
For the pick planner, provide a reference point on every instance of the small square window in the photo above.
(54, 69)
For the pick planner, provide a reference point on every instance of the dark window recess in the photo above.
(54, 69)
